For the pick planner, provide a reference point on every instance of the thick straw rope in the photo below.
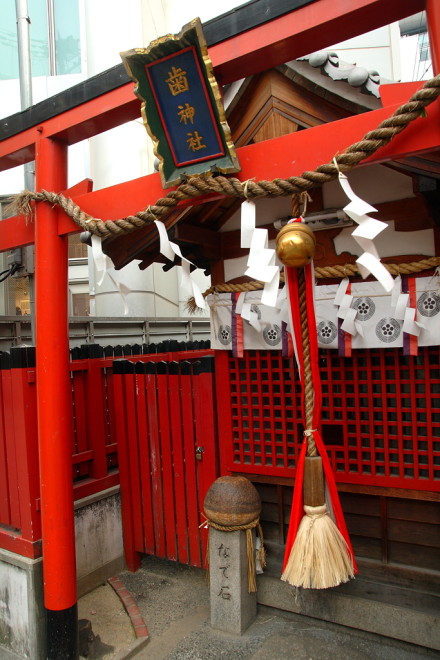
(307, 371)
(232, 187)
(327, 272)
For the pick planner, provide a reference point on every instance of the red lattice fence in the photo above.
(380, 416)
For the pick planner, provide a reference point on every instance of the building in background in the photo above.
(75, 39)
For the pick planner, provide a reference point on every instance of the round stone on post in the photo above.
(232, 501)
(231, 505)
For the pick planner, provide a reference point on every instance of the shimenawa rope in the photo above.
(326, 272)
(232, 187)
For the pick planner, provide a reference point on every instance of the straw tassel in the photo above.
(320, 557)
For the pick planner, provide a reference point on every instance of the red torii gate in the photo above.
(304, 30)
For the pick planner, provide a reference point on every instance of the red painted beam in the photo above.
(18, 228)
(103, 113)
(14, 542)
(281, 157)
(304, 31)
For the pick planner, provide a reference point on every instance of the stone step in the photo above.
(392, 611)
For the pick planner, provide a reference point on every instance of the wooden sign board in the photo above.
(182, 107)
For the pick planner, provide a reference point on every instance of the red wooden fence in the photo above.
(167, 441)
(19, 477)
(380, 417)
(95, 413)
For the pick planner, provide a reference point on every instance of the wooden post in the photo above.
(54, 410)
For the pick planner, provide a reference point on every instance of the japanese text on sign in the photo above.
(182, 99)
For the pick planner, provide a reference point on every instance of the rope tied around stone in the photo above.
(232, 528)
(233, 187)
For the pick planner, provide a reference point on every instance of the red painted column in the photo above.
(54, 409)
(433, 19)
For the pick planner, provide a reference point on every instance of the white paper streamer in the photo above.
(368, 229)
(170, 250)
(102, 261)
(401, 305)
(248, 214)
(261, 264)
(104, 266)
(396, 291)
(344, 306)
(344, 300)
(246, 312)
(240, 301)
(340, 293)
(348, 324)
(410, 325)
(401, 311)
(123, 289)
(357, 205)
(188, 284)
(372, 264)
(270, 291)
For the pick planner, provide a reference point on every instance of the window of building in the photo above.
(424, 51)
(54, 35)
(80, 304)
(77, 250)
(18, 296)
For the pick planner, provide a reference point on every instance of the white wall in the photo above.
(376, 50)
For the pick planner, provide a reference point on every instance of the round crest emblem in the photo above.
(224, 335)
(388, 330)
(428, 304)
(365, 308)
(327, 332)
(272, 335)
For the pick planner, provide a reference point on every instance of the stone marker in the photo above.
(231, 502)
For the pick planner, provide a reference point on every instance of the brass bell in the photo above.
(295, 244)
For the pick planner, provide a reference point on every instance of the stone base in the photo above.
(386, 610)
(99, 554)
(22, 614)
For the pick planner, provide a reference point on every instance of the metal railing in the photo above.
(109, 331)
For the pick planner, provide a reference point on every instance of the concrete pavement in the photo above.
(174, 603)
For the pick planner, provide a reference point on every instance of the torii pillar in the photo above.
(54, 407)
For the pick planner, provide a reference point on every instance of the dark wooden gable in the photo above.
(272, 105)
